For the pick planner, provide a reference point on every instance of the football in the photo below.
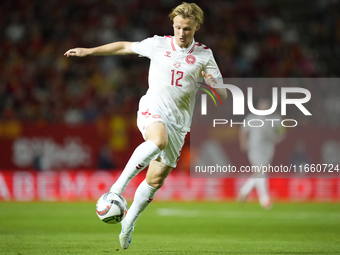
(111, 208)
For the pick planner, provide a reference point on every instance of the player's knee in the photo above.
(161, 142)
(156, 182)
(157, 133)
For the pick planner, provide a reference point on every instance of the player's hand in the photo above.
(77, 52)
(209, 79)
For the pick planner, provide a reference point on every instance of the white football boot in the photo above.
(125, 235)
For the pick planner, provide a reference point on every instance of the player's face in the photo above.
(184, 30)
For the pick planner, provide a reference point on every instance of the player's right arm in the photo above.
(116, 48)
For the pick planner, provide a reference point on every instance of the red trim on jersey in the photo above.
(169, 36)
(172, 44)
(200, 44)
(192, 49)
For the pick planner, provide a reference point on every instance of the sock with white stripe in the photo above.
(140, 158)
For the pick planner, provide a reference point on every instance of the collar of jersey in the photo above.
(188, 50)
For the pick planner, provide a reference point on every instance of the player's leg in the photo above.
(146, 191)
(156, 137)
(262, 192)
(250, 183)
(144, 195)
(245, 189)
(262, 187)
(158, 171)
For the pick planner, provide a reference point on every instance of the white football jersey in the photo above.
(261, 145)
(173, 77)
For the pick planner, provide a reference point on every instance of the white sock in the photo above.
(262, 190)
(143, 197)
(140, 158)
(247, 187)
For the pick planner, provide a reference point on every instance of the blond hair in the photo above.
(186, 10)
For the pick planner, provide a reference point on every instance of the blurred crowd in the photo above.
(249, 38)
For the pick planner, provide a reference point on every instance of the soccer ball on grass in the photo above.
(111, 208)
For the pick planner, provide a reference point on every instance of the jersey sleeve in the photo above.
(212, 68)
(143, 48)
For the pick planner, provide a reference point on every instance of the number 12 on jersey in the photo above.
(180, 76)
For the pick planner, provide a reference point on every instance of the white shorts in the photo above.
(170, 155)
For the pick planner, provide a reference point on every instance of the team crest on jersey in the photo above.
(177, 64)
(146, 113)
(190, 59)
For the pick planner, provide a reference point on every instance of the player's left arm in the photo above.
(211, 81)
(280, 133)
(212, 74)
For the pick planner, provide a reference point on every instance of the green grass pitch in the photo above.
(173, 228)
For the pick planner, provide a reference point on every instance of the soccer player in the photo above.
(259, 143)
(165, 111)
